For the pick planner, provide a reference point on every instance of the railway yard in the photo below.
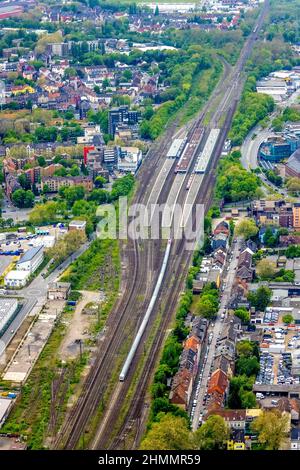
(176, 171)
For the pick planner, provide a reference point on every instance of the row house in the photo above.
(218, 384)
(183, 381)
(245, 270)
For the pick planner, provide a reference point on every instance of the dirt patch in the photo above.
(79, 324)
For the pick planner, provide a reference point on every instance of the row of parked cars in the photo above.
(284, 375)
(266, 373)
(198, 388)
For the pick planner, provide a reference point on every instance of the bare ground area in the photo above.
(79, 325)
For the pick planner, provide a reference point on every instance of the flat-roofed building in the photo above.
(16, 279)
(77, 225)
(31, 260)
(58, 290)
(296, 216)
(8, 308)
(129, 159)
(5, 407)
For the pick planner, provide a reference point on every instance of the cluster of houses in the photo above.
(157, 17)
(213, 265)
(98, 158)
(55, 87)
(278, 213)
(183, 381)
(223, 365)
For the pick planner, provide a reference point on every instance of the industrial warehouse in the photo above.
(8, 310)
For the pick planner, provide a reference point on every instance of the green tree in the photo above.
(170, 433)
(246, 348)
(24, 181)
(72, 194)
(272, 428)
(266, 269)
(238, 385)
(44, 213)
(100, 181)
(212, 435)
(246, 228)
(270, 240)
(248, 399)
(22, 198)
(206, 307)
(243, 314)
(41, 160)
(288, 319)
(261, 298)
(247, 366)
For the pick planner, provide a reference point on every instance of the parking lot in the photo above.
(5, 262)
(15, 244)
(276, 367)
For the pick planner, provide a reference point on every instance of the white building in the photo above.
(5, 407)
(8, 308)
(129, 159)
(77, 225)
(31, 260)
(276, 88)
(16, 279)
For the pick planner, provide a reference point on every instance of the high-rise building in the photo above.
(124, 115)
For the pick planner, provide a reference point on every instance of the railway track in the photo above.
(205, 196)
(76, 421)
(128, 311)
(135, 412)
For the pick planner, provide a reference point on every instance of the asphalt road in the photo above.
(250, 147)
(216, 330)
(11, 212)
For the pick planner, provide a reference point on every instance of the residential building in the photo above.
(219, 240)
(54, 183)
(122, 114)
(235, 419)
(296, 216)
(129, 159)
(222, 227)
(182, 384)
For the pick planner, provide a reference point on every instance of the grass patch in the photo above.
(97, 268)
(31, 415)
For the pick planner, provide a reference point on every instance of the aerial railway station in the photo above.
(189, 150)
(206, 154)
(176, 148)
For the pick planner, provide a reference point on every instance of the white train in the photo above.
(142, 328)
